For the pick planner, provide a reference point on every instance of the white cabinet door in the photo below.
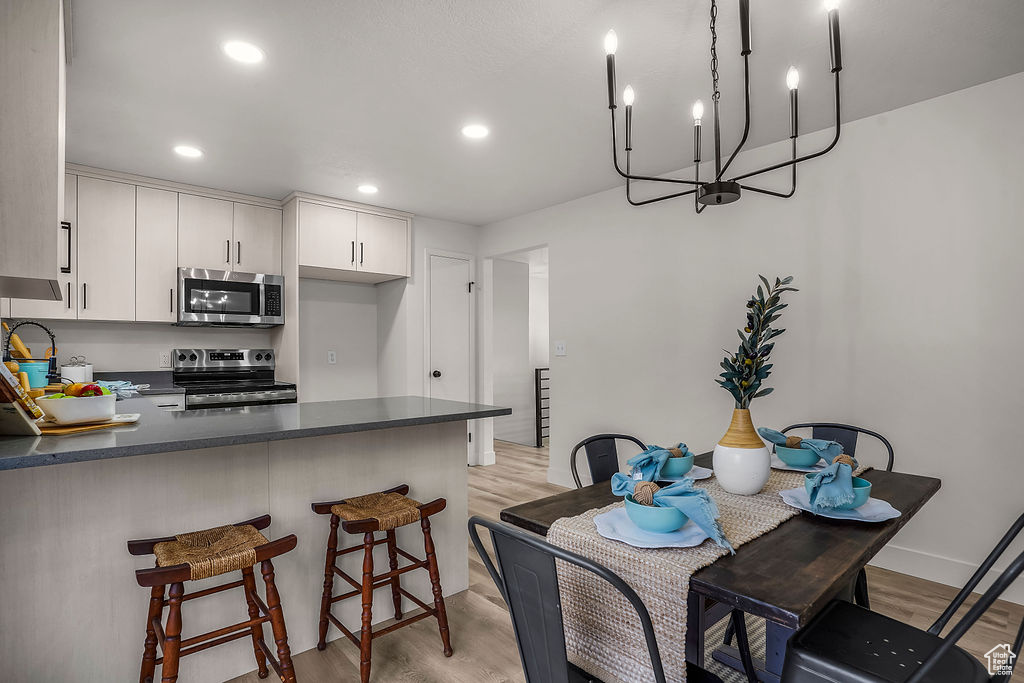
(383, 244)
(257, 239)
(327, 237)
(106, 250)
(204, 232)
(67, 243)
(156, 255)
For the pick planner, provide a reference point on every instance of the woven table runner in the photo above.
(602, 632)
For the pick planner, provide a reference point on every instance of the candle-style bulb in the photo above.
(628, 96)
(611, 42)
(792, 78)
(831, 5)
(698, 112)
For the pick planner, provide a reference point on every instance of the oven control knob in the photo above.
(259, 356)
(267, 357)
(193, 357)
(181, 356)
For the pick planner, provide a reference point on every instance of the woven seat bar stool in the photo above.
(367, 515)
(201, 555)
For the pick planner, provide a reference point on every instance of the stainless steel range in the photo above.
(219, 378)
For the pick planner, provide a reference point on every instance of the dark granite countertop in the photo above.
(159, 431)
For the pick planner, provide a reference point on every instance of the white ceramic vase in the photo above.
(741, 461)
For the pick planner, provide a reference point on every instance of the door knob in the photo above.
(436, 373)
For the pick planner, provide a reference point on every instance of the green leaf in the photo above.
(767, 286)
(763, 392)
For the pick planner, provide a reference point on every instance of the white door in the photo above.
(106, 250)
(257, 235)
(327, 237)
(204, 232)
(450, 333)
(383, 244)
(156, 255)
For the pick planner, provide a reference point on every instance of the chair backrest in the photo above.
(844, 434)
(602, 456)
(526, 577)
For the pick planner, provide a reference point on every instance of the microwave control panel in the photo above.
(272, 303)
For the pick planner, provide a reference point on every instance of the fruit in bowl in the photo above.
(67, 409)
(84, 390)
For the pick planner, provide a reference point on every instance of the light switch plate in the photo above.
(165, 359)
(332, 358)
(560, 348)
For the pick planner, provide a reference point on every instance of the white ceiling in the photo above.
(358, 91)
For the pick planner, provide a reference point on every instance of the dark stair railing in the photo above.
(541, 393)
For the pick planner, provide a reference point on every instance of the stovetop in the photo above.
(226, 371)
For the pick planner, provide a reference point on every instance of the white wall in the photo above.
(905, 242)
(513, 374)
(539, 338)
(339, 317)
(134, 346)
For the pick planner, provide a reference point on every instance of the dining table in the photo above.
(786, 576)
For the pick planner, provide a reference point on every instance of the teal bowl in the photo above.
(658, 520)
(677, 467)
(861, 492)
(36, 371)
(797, 457)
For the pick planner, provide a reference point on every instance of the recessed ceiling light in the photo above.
(188, 151)
(243, 52)
(475, 131)
(368, 189)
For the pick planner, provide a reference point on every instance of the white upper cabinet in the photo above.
(338, 243)
(327, 237)
(156, 255)
(67, 258)
(204, 232)
(383, 244)
(257, 239)
(106, 250)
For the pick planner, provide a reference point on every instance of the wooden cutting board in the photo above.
(48, 428)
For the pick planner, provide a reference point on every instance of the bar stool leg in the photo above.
(172, 637)
(156, 610)
(366, 631)
(325, 601)
(284, 655)
(249, 586)
(435, 587)
(396, 596)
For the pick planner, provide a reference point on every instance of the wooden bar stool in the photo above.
(366, 515)
(200, 555)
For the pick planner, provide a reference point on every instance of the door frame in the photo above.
(471, 259)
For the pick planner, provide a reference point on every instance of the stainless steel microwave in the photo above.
(217, 297)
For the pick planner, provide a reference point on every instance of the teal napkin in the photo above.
(820, 447)
(832, 487)
(695, 503)
(647, 466)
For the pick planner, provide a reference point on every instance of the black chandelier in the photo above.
(721, 190)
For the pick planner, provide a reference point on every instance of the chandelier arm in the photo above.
(784, 195)
(746, 116)
(806, 157)
(697, 206)
(629, 176)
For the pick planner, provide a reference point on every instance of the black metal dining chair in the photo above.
(602, 456)
(523, 569)
(847, 643)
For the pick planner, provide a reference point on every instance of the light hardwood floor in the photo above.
(482, 636)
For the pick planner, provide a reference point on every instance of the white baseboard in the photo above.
(940, 569)
(487, 458)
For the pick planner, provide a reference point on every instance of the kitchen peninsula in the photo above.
(71, 503)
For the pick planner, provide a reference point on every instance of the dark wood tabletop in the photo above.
(786, 575)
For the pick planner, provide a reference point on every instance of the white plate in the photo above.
(777, 464)
(616, 525)
(874, 510)
(696, 473)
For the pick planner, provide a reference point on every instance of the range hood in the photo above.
(29, 288)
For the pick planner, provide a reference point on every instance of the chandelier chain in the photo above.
(715, 95)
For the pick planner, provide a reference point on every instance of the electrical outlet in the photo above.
(560, 348)
(165, 359)
(332, 358)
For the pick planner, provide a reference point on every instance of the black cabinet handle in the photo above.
(172, 300)
(353, 251)
(69, 295)
(360, 253)
(227, 252)
(436, 374)
(85, 298)
(238, 253)
(64, 225)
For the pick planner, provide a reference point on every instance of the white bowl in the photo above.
(76, 411)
